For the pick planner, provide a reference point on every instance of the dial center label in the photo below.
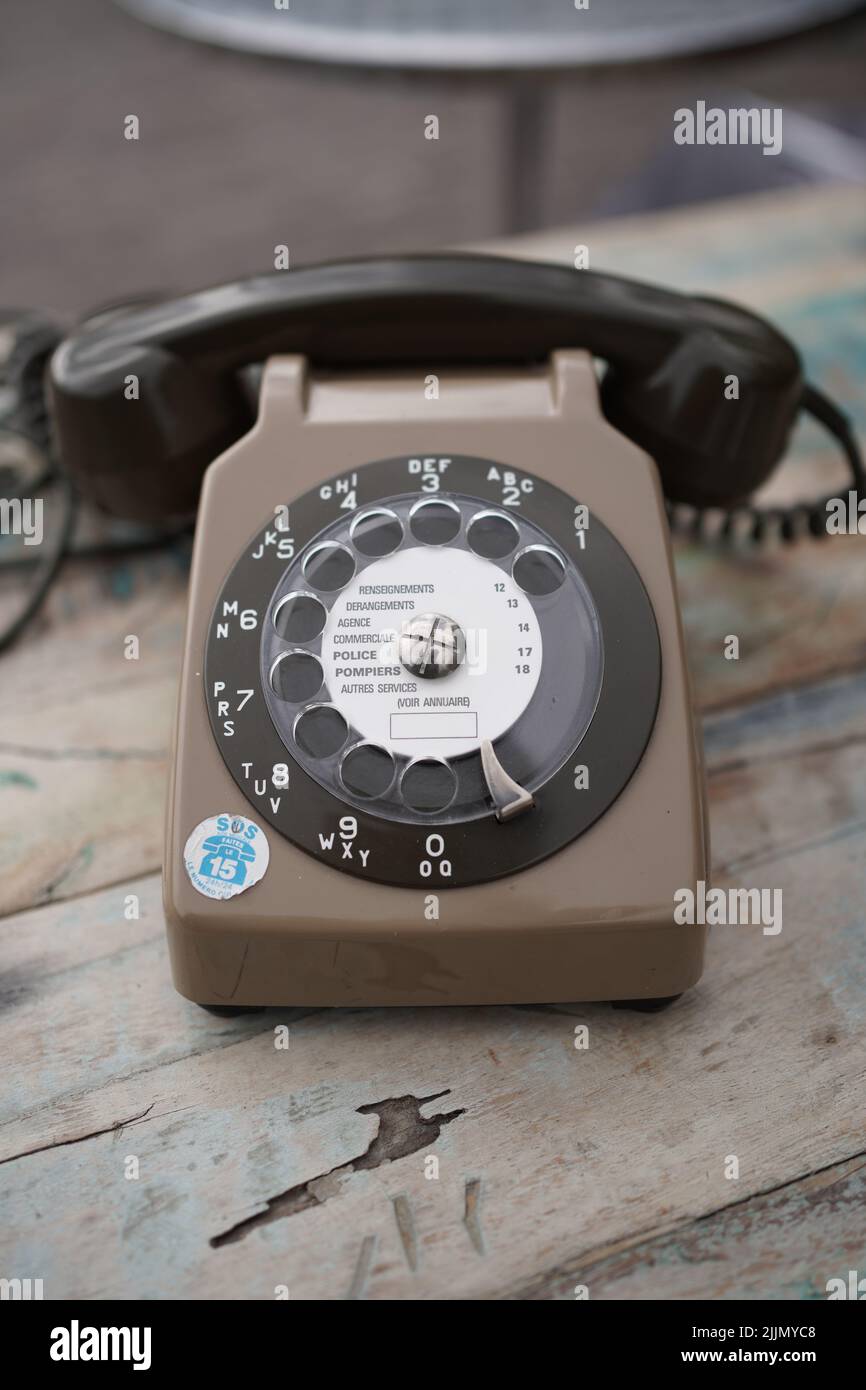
(481, 697)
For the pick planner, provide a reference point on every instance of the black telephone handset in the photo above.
(669, 385)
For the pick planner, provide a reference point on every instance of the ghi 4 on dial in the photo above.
(434, 742)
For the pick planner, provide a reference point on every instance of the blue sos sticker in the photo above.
(225, 855)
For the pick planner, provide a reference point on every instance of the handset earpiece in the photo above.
(716, 411)
(143, 402)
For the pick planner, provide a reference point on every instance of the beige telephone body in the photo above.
(434, 738)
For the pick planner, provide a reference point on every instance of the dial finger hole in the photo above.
(538, 570)
(321, 731)
(377, 532)
(428, 784)
(296, 676)
(434, 523)
(329, 567)
(367, 770)
(492, 535)
(299, 617)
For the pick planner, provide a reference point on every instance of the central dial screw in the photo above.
(431, 645)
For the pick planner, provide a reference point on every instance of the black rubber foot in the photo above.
(231, 1010)
(646, 1006)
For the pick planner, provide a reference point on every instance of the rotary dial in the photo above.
(402, 678)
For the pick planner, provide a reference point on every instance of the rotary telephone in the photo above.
(434, 738)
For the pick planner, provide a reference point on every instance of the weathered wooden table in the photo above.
(308, 1168)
